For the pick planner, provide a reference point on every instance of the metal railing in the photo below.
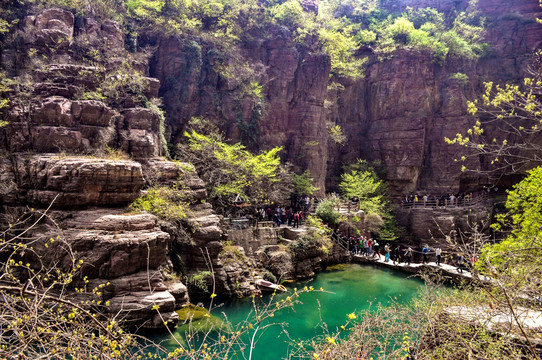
(449, 203)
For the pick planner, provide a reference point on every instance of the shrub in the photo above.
(461, 78)
(164, 202)
(199, 280)
(326, 211)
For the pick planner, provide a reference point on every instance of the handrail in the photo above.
(437, 203)
(337, 239)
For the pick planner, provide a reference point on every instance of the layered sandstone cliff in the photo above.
(398, 114)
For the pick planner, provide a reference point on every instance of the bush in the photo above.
(461, 78)
(164, 202)
(326, 211)
(199, 280)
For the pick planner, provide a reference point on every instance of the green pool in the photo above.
(350, 288)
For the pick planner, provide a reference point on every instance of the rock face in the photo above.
(121, 255)
(73, 181)
(294, 100)
(62, 149)
(428, 223)
(398, 114)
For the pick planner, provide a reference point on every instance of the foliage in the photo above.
(517, 112)
(167, 203)
(4, 88)
(461, 78)
(336, 134)
(316, 240)
(122, 82)
(235, 175)
(426, 31)
(303, 184)
(365, 185)
(199, 280)
(326, 210)
(338, 41)
(520, 252)
(513, 258)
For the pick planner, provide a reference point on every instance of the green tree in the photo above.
(513, 258)
(303, 184)
(362, 182)
(233, 174)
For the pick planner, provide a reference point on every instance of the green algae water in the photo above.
(348, 288)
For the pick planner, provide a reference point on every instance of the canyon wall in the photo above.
(398, 114)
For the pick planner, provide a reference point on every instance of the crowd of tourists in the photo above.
(451, 199)
(365, 246)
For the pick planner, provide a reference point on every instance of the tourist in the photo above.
(269, 214)
(289, 216)
(276, 219)
(438, 252)
(376, 249)
(365, 246)
(387, 252)
(296, 219)
(357, 243)
(397, 255)
(425, 251)
(460, 260)
(452, 199)
(408, 255)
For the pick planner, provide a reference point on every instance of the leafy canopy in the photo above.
(362, 182)
(234, 174)
(303, 184)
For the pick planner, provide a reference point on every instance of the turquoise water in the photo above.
(349, 288)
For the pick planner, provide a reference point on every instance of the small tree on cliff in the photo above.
(232, 174)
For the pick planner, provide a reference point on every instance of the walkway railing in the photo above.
(339, 241)
(447, 203)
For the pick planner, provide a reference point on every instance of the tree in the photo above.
(506, 134)
(303, 184)
(232, 174)
(362, 182)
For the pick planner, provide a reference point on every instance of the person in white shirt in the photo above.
(438, 252)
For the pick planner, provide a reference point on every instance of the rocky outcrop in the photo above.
(120, 254)
(428, 223)
(398, 114)
(63, 149)
(71, 181)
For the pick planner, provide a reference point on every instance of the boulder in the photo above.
(92, 112)
(53, 111)
(179, 292)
